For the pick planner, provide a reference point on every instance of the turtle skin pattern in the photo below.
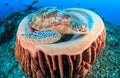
(49, 24)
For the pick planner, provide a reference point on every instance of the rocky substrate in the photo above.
(106, 66)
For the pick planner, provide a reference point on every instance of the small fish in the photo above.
(78, 4)
(6, 4)
(35, 1)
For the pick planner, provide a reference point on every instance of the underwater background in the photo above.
(12, 12)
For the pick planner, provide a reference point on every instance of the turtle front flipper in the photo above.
(43, 36)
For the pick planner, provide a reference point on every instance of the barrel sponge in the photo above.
(71, 58)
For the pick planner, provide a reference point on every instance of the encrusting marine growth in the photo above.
(59, 43)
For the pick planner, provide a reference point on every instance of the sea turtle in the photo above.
(49, 24)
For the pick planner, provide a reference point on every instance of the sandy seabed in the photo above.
(107, 64)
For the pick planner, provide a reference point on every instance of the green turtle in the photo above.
(49, 24)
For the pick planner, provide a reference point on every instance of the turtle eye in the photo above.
(74, 27)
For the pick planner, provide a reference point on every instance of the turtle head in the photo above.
(79, 28)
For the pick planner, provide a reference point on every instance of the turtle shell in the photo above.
(52, 19)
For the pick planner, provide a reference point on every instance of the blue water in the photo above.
(109, 9)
